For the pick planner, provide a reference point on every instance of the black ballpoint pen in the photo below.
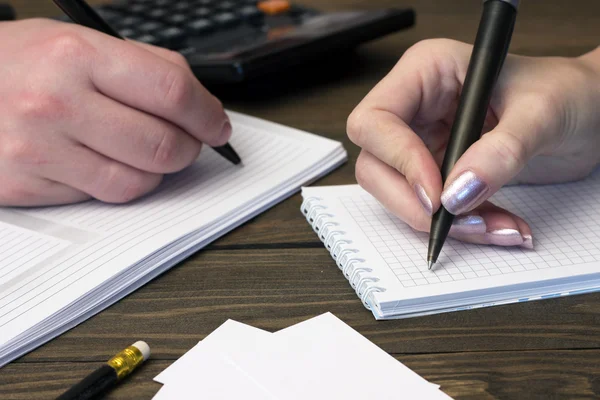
(81, 13)
(489, 52)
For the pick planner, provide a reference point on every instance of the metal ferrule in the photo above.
(125, 361)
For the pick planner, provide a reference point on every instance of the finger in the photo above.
(100, 177)
(133, 137)
(423, 82)
(391, 189)
(496, 158)
(490, 224)
(388, 138)
(505, 228)
(23, 191)
(140, 79)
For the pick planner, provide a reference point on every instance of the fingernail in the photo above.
(423, 198)
(463, 193)
(527, 242)
(504, 237)
(226, 132)
(468, 225)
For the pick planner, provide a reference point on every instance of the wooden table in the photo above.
(273, 272)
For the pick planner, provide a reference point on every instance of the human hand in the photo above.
(83, 114)
(542, 126)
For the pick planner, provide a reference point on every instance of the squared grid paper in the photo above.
(565, 221)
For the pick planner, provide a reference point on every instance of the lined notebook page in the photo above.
(95, 241)
(565, 220)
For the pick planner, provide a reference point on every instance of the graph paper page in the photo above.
(565, 221)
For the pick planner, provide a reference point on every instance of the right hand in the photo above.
(85, 115)
(542, 126)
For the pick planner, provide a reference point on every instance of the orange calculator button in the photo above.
(274, 7)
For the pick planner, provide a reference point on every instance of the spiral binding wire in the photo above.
(347, 258)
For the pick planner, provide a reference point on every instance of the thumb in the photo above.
(493, 161)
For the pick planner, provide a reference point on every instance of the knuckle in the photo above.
(14, 194)
(166, 153)
(176, 58)
(403, 159)
(425, 46)
(17, 150)
(68, 45)
(415, 221)
(511, 150)
(361, 171)
(354, 126)
(175, 88)
(40, 106)
(543, 110)
(120, 186)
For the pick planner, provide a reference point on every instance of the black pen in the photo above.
(105, 377)
(81, 13)
(489, 52)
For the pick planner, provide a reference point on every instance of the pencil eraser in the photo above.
(143, 348)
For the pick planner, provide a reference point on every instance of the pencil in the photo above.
(107, 376)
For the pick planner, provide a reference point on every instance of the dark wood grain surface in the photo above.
(273, 272)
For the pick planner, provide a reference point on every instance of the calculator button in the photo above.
(201, 26)
(250, 12)
(150, 26)
(202, 12)
(226, 5)
(172, 36)
(274, 7)
(158, 13)
(138, 9)
(129, 21)
(108, 15)
(182, 6)
(226, 19)
(147, 38)
(127, 32)
(177, 19)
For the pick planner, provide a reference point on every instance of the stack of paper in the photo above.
(322, 358)
(61, 265)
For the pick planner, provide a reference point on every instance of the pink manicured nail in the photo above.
(423, 198)
(463, 193)
(527, 242)
(468, 225)
(504, 237)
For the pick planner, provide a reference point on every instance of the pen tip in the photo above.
(430, 265)
(228, 153)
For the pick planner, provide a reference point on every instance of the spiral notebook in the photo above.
(385, 260)
(61, 265)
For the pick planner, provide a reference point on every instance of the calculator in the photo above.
(234, 41)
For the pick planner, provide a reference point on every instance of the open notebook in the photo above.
(385, 260)
(61, 265)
